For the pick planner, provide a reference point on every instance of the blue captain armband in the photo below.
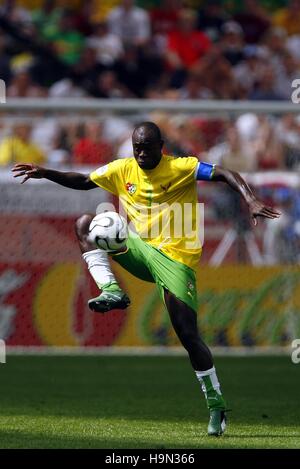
(204, 171)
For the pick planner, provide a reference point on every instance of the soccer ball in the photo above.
(108, 231)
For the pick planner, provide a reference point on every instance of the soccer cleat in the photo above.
(109, 300)
(217, 422)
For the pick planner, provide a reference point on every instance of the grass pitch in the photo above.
(145, 402)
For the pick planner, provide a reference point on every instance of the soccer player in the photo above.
(148, 180)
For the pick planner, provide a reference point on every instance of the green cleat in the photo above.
(217, 422)
(109, 300)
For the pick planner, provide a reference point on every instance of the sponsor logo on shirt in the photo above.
(166, 187)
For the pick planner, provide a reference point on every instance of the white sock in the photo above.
(99, 267)
(208, 380)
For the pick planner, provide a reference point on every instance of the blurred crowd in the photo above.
(247, 143)
(168, 51)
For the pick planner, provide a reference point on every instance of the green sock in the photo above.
(214, 400)
(211, 388)
(112, 286)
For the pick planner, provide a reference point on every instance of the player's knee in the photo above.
(82, 225)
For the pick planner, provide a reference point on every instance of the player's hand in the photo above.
(28, 170)
(258, 209)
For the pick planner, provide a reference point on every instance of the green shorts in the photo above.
(151, 265)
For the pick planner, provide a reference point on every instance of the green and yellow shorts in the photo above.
(151, 265)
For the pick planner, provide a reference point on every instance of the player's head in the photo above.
(147, 145)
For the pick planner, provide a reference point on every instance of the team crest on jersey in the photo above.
(131, 188)
(190, 286)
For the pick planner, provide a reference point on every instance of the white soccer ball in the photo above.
(108, 231)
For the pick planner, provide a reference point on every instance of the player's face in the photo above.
(146, 150)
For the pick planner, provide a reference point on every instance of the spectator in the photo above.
(194, 87)
(254, 21)
(18, 148)
(15, 14)
(65, 88)
(274, 46)
(275, 41)
(108, 86)
(288, 18)
(186, 46)
(232, 42)
(164, 19)
(44, 131)
(193, 137)
(108, 46)
(219, 78)
(136, 69)
(87, 70)
(100, 10)
(66, 41)
(58, 155)
(266, 87)
(259, 141)
(21, 86)
(92, 149)
(267, 146)
(46, 19)
(288, 132)
(250, 70)
(72, 132)
(232, 153)
(130, 23)
(211, 18)
(82, 18)
(279, 239)
(293, 46)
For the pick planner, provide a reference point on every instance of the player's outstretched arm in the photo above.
(68, 179)
(235, 180)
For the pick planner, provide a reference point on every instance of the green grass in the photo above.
(145, 402)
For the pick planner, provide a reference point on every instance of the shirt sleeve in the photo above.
(107, 176)
(185, 169)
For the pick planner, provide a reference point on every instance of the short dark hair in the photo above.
(151, 128)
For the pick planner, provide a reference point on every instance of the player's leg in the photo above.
(112, 296)
(184, 321)
(177, 287)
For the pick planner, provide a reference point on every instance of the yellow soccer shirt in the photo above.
(15, 150)
(161, 203)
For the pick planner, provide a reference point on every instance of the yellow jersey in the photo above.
(15, 150)
(161, 203)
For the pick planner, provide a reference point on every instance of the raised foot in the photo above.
(109, 300)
